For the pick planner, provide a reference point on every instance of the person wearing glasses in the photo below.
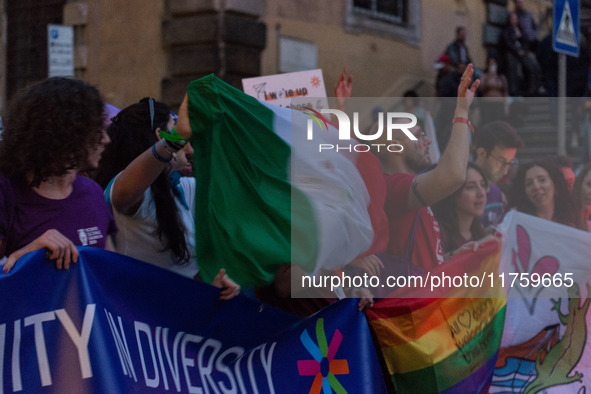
(153, 204)
(540, 189)
(54, 130)
(495, 146)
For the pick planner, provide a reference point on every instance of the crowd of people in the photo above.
(45, 193)
(73, 174)
(144, 208)
(520, 64)
(134, 170)
(78, 177)
(518, 58)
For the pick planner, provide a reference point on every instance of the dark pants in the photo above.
(529, 68)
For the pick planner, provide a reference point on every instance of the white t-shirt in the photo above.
(137, 233)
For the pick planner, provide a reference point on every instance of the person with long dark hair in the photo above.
(459, 214)
(153, 205)
(539, 189)
(54, 131)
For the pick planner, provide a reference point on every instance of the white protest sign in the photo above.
(279, 89)
(547, 273)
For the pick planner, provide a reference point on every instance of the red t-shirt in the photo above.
(369, 169)
(427, 251)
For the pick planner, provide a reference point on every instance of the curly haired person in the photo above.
(53, 132)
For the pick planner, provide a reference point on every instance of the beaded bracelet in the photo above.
(157, 155)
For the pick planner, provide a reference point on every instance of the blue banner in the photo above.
(114, 324)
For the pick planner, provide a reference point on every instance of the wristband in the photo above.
(157, 156)
(166, 146)
(173, 139)
(463, 120)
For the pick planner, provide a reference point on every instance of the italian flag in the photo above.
(265, 194)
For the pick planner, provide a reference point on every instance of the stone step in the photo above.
(536, 152)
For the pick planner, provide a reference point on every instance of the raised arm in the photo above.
(450, 173)
(183, 125)
(167, 154)
(129, 186)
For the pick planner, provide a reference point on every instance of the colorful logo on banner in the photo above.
(324, 366)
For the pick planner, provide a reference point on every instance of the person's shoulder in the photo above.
(367, 161)
(398, 181)
(494, 194)
(189, 186)
(188, 181)
(84, 183)
(493, 188)
(450, 49)
(9, 185)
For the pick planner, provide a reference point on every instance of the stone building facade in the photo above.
(136, 48)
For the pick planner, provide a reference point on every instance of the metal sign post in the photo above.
(561, 104)
(565, 41)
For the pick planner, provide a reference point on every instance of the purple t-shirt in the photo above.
(493, 210)
(83, 216)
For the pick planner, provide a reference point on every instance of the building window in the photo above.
(387, 10)
(393, 18)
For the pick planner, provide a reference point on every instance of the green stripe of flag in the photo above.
(243, 214)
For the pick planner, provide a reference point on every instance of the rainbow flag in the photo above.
(447, 344)
(265, 194)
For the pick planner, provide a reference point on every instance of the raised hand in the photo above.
(343, 88)
(466, 92)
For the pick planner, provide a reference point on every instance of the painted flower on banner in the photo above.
(324, 366)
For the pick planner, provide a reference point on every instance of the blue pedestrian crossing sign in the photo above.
(565, 28)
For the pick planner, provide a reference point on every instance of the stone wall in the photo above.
(208, 36)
